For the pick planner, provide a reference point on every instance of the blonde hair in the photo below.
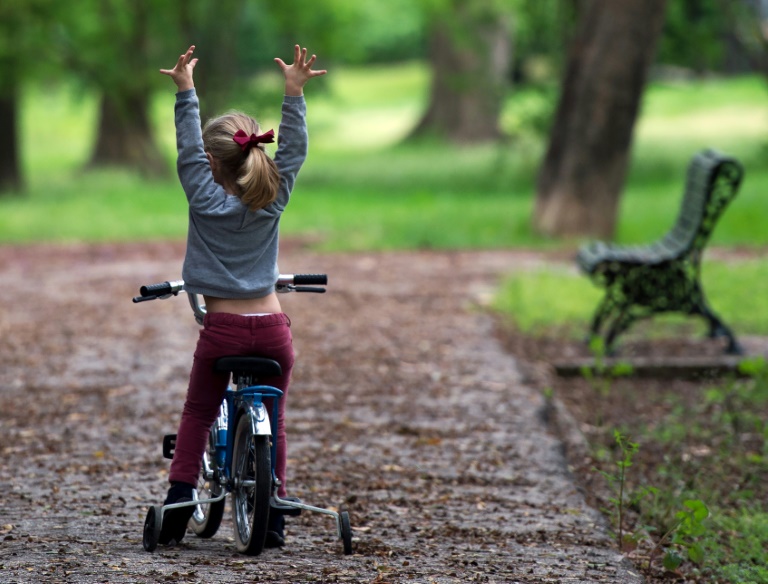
(253, 171)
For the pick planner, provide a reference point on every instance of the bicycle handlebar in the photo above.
(301, 283)
(162, 289)
(285, 283)
(302, 279)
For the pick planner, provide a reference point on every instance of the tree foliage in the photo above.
(693, 34)
(475, 47)
(541, 32)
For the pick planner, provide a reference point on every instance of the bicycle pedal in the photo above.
(285, 509)
(169, 445)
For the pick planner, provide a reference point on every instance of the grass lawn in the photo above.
(362, 189)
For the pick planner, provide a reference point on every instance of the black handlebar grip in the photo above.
(310, 279)
(156, 289)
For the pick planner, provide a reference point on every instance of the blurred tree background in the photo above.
(596, 55)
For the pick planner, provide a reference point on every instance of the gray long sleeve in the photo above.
(232, 251)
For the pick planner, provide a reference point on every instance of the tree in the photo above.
(470, 51)
(107, 45)
(214, 27)
(747, 31)
(21, 28)
(117, 48)
(692, 36)
(541, 32)
(584, 169)
(10, 164)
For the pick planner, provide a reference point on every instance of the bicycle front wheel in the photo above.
(252, 478)
(206, 519)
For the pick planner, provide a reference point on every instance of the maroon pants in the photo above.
(226, 334)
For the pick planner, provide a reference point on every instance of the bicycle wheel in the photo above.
(346, 533)
(152, 526)
(252, 477)
(206, 519)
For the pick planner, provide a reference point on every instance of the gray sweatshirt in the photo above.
(231, 251)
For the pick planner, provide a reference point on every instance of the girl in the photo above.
(236, 194)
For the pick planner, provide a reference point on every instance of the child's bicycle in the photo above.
(241, 453)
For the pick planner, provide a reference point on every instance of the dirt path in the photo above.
(404, 410)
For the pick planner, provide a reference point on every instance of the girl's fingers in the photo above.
(186, 57)
(300, 61)
(184, 60)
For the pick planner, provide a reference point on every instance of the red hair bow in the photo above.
(245, 141)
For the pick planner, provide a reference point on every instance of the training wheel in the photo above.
(346, 532)
(153, 523)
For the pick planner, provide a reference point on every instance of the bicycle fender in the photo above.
(259, 419)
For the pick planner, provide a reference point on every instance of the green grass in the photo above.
(362, 190)
(712, 445)
(741, 555)
(680, 119)
(559, 300)
(704, 441)
(60, 212)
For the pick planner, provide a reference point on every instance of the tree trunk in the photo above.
(470, 52)
(584, 169)
(10, 168)
(124, 135)
(10, 164)
(124, 132)
(213, 27)
(746, 37)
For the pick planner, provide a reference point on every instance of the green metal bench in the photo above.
(643, 280)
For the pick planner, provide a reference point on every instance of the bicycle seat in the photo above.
(258, 366)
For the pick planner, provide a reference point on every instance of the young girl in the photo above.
(236, 194)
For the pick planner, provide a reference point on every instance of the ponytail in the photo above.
(258, 179)
(251, 169)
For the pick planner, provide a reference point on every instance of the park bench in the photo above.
(643, 280)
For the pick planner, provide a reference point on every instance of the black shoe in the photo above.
(275, 531)
(174, 525)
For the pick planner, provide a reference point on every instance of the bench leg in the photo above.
(619, 326)
(717, 329)
(615, 315)
(604, 309)
(601, 313)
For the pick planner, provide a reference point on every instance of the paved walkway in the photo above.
(404, 409)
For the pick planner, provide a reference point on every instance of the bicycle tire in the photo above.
(206, 519)
(252, 479)
(346, 533)
(152, 526)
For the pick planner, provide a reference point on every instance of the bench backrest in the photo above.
(712, 182)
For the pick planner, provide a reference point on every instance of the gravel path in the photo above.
(404, 410)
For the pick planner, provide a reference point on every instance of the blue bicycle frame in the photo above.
(248, 399)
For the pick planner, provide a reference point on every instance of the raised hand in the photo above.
(182, 72)
(298, 73)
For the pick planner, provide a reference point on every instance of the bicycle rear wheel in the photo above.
(206, 519)
(252, 475)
